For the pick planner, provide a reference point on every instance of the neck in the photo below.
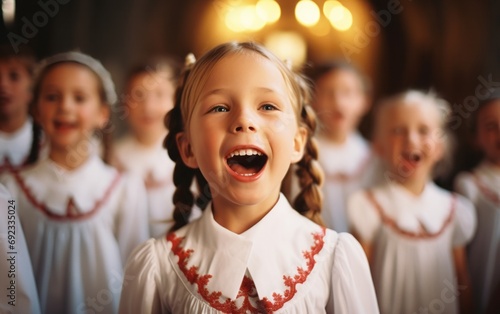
(495, 163)
(12, 124)
(70, 157)
(414, 186)
(150, 140)
(239, 218)
(338, 138)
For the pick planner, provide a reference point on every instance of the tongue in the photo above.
(239, 169)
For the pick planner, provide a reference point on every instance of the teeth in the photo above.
(245, 152)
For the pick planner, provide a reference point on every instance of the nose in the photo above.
(243, 122)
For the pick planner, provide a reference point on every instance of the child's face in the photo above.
(410, 140)
(151, 97)
(488, 131)
(15, 89)
(340, 101)
(244, 108)
(69, 105)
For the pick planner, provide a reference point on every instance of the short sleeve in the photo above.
(464, 224)
(132, 221)
(352, 285)
(140, 292)
(363, 217)
(464, 184)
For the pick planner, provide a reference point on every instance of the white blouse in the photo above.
(15, 147)
(412, 239)
(18, 284)
(283, 264)
(80, 227)
(482, 187)
(156, 168)
(348, 168)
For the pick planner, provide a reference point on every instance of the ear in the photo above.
(299, 143)
(103, 115)
(185, 150)
(440, 149)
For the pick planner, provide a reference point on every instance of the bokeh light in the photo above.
(268, 10)
(307, 12)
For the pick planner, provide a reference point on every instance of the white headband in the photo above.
(86, 60)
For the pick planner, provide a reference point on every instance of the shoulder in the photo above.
(362, 214)
(464, 221)
(465, 185)
(144, 260)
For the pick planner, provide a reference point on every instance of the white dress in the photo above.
(348, 168)
(15, 147)
(18, 284)
(413, 239)
(283, 264)
(482, 187)
(154, 166)
(80, 227)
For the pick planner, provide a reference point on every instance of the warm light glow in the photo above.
(340, 17)
(307, 12)
(329, 5)
(243, 18)
(268, 10)
(288, 46)
(9, 11)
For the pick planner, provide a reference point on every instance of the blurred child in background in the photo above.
(340, 101)
(150, 95)
(414, 232)
(482, 186)
(17, 129)
(81, 217)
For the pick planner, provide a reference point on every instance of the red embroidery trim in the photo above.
(492, 196)
(247, 288)
(72, 211)
(342, 177)
(419, 235)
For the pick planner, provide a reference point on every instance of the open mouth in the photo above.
(246, 162)
(412, 158)
(63, 125)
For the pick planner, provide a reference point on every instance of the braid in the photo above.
(309, 201)
(107, 139)
(35, 144)
(183, 198)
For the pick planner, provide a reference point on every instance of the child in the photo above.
(414, 232)
(150, 91)
(237, 125)
(81, 217)
(18, 285)
(482, 186)
(16, 127)
(340, 100)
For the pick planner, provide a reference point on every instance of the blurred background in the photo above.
(452, 47)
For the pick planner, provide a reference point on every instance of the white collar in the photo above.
(345, 158)
(431, 209)
(270, 250)
(16, 146)
(55, 186)
(144, 161)
(489, 175)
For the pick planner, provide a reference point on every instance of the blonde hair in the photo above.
(444, 166)
(191, 83)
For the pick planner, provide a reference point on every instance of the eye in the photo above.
(268, 107)
(397, 131)
(51, 97)
(219, 108)
(14, 76)
(423, 130)
(80, 98)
